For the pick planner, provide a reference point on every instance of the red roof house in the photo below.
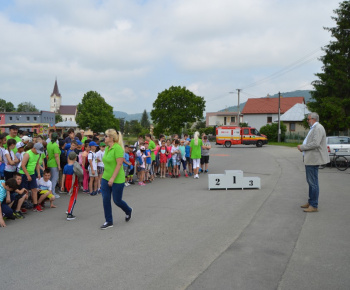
(261, 111)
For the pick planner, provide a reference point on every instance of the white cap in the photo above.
(25, 139)
(20, 145)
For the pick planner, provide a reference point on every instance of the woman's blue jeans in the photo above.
(117, 192)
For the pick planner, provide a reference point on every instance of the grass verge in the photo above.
(284, 144)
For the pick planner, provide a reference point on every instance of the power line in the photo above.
(302, 61)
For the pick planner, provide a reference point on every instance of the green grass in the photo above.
(284, 144)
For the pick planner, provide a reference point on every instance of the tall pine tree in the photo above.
(332, 90)
(144, 120)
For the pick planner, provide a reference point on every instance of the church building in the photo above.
(68, 112)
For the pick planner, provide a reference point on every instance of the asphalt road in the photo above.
(183, 236)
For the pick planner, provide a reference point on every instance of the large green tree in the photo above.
(6, 106)
(176, 106)
(95, 113)
(331, 97)
(26, 107)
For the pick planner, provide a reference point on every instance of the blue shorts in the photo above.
(29, 184)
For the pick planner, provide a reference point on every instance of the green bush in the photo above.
(271, 131)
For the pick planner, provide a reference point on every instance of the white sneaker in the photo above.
(127, 184)
(57, 196)
(196, 176)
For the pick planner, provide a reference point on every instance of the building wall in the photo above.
(258, 120)
(2, 119)
(68, 118)
(299, 128)
(40, 117)
(55, 103)
(48, 117)
(12, 118)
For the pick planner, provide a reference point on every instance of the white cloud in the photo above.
(129, 51)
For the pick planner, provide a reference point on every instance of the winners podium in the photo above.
(232, 179)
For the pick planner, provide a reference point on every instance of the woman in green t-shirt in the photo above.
(196, 146)
(113, 178)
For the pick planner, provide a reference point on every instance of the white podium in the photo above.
(232, 179)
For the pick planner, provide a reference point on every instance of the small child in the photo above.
(163, 153)
(100, 165)
(188, 157)
(182, 149)
(175, 154)
(126, 164)
(17, 197)
(67, 180)
(169, 163)
(142, 165)
(45, 189)
(10, 159)
(132, 169)
(85, 165)
(71, 147)
(148, 171)
(19, 154)
(20, 190)
(93, 168)
(5, 210)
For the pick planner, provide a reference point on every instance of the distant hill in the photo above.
(129, 117)
(305, 93)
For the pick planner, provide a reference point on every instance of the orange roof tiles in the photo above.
(270, 105)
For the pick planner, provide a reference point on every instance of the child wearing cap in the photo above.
(19, 154)
(67, 180)
(100, 165)
(142, 165)
(93, 168)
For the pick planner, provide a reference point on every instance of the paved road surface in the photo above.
(183, 236)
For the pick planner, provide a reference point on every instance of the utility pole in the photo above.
(279, 115)
(239, 112)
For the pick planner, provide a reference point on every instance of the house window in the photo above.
(28, 118)
(17, 118)
(292, 127)
(224, 120)
(233, 119)
(34, 118)
(10, 118)
(269, 120)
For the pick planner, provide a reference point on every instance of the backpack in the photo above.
(139, 160)
(78, 170)
(63, 158)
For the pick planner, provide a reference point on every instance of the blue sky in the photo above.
(131, 50)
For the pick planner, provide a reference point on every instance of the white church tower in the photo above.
(55, 99)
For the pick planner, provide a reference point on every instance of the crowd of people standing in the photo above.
(34, 170)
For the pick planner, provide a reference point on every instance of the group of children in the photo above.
(28, 178)
(169, 156)
(25, 178)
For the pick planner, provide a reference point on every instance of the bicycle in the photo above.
(339, 161)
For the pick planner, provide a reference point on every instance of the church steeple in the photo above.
(55, 90)
(55, 99)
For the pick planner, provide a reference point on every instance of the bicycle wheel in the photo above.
(341, 163)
